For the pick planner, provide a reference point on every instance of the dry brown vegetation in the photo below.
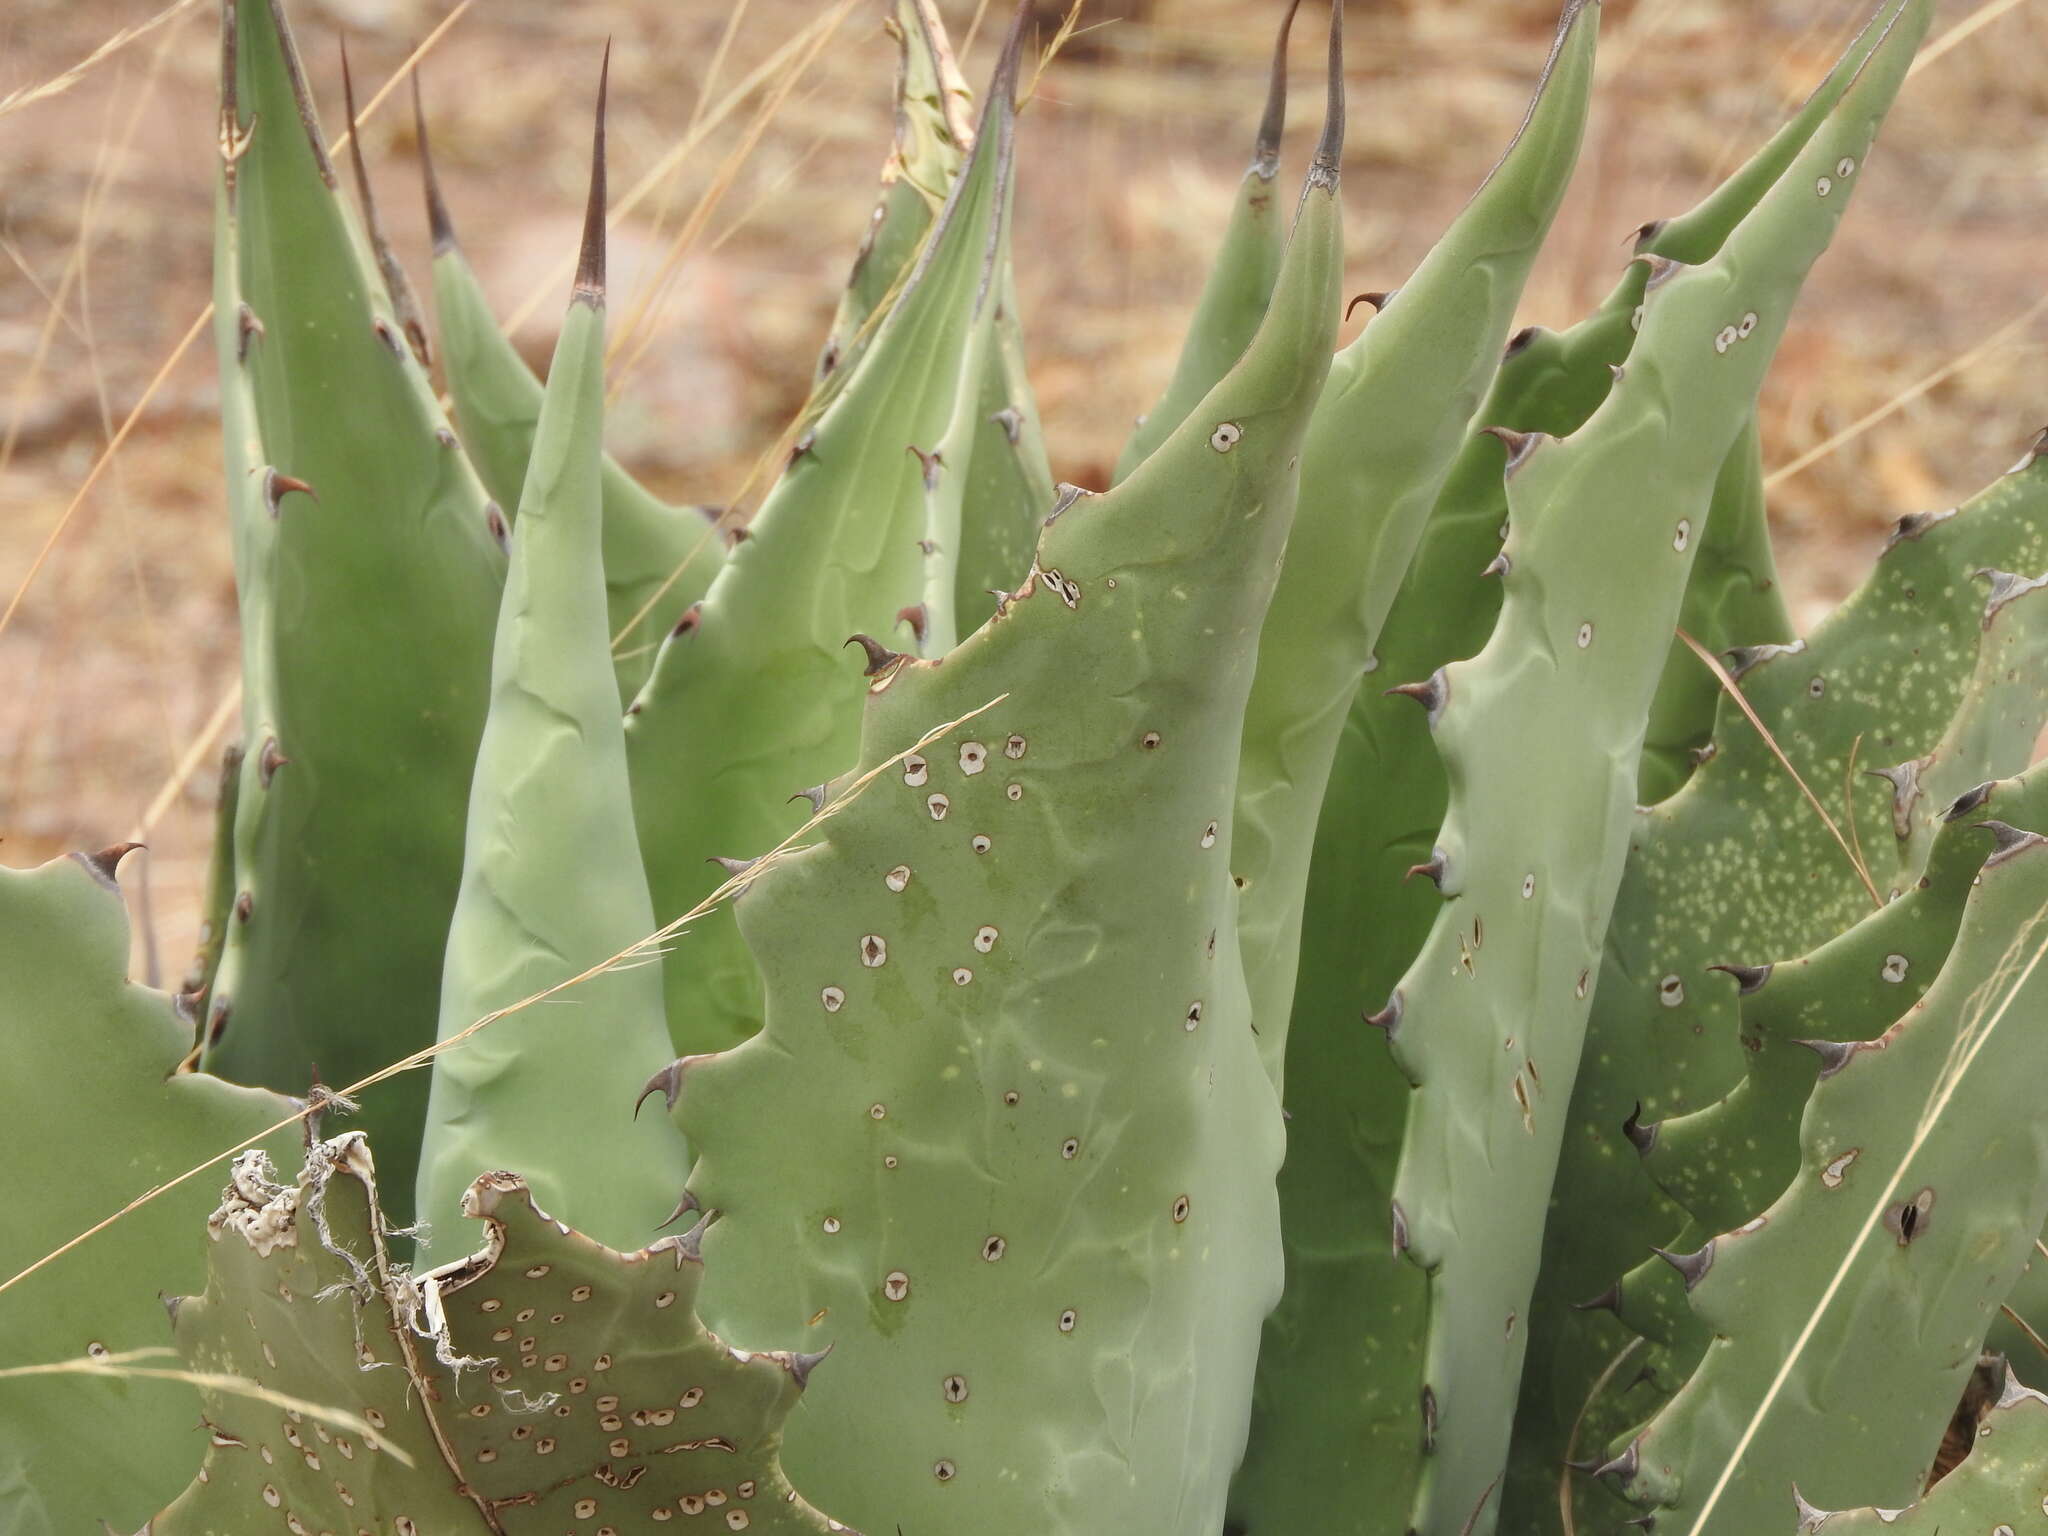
(122, 649)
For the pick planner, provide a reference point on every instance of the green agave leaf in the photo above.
(934, 132)
(1240, 282)
(1384, 437)
(1033, 1184)
(1852, 1311)
(543, 1383)
(1489, 1021)
(658, 559)
(1728, 1160)
(1386, 433)
(1363, 924)
(1737, 869)
(99, 1113)
(552, 883)
(2002, 1485)
(367, 575)
(745, 704)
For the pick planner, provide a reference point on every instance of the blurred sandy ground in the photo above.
(124, 646)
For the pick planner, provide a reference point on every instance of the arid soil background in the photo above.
(120, 650)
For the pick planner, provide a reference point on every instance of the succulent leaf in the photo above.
(1240, 281)
(360, 531)
(2001, 1485)
(93, 1067)
(549, 1087)
(658, 559)
(1555, 707)
(1852, 1311)
(1738, 869)
(1387, 432)
(1035, 1180)
(934, 133)
(543, 1381)
(744, 705)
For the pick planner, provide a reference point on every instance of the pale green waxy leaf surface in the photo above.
(544, 1383)
(2002, 1485)
(92, 1114)
(552, 883)
(1491, 1017)
(933, 133)
(1031, 1203)
(1240, 281)
(1725, 1162)
(1737, 869)
(1385, 434)
(367, 576)
(1923, 1180)
(650, 547)
(746, 706)
(1392, 420)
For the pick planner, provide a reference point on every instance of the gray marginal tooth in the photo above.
(1905, 782)
(2005, 588)
(1811, 1516)
(1748, 978)
(1623, 1466)
(1640, 1136)
(1608, 1300)
(1744, 658)
(1911, 526)
(2035, 450)
(1400, 1224)
(1067, 495)
(1011, 421)
(1969, 800)
(1692, 1267)
(1834, 1054)
(2009, 841)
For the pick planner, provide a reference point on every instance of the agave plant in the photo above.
(1126, 1067)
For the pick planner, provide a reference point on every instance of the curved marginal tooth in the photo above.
(1608, 1300)
(880, 657)
(1748, 978)
(1904, 779)
(102, 865)
(1519, 444)
(1692, 1267)
(1623, 1466)
(1743, 659)
(1436, 866)
(801, 1366)
(1911, 526)
(2006, 588)
(1432, 693)
(2009, 842)
(1388, 1019)
(1970, 800)
(1642, 1137)
(1834, 1054)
